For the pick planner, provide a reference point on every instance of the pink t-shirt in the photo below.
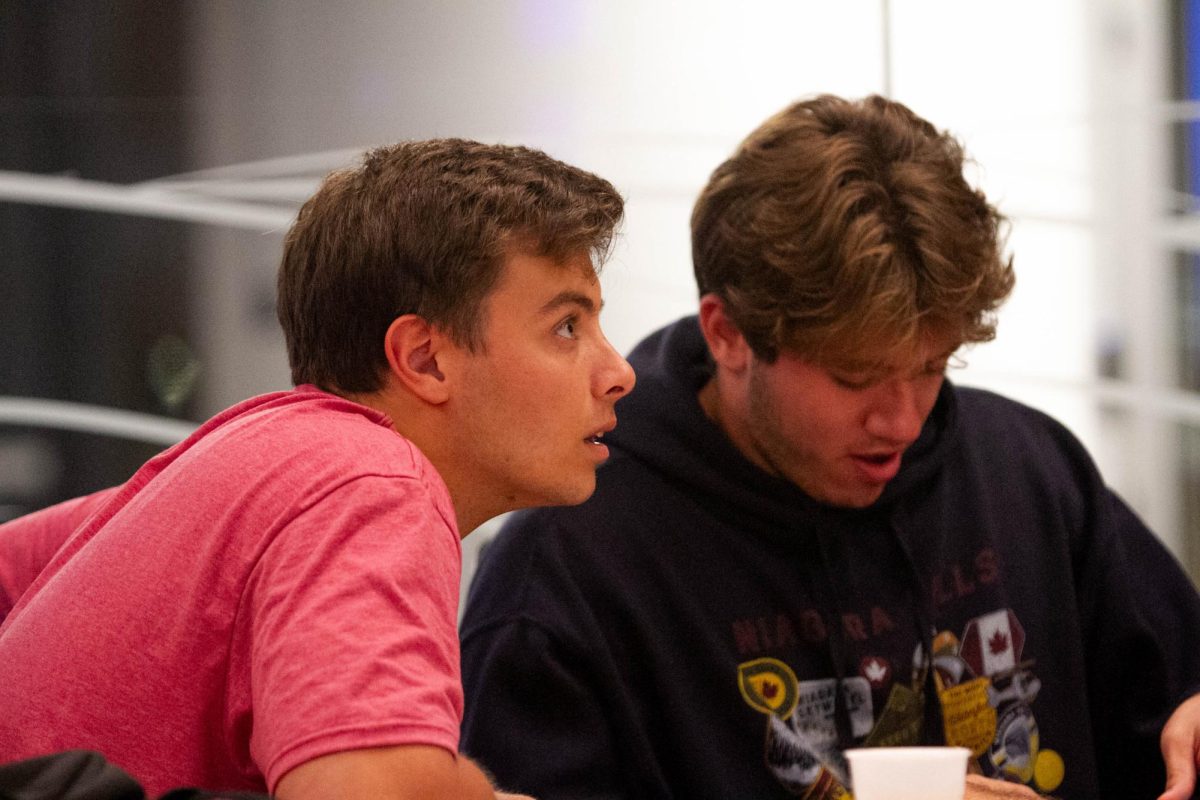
(281, 585)
(27, 544)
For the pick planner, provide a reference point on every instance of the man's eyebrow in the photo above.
(858, 365)
(569, 298)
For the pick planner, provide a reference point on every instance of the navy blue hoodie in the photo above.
(701, 629)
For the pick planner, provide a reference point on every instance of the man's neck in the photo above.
(419, 424)
(710, 401)
(729, 416)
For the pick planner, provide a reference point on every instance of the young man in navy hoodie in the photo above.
(808, 540)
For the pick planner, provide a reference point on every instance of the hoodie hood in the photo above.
(663, 425)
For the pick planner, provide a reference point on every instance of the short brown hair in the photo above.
(839, 226)
(423, 227)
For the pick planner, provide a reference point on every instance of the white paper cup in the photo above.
(908, 773)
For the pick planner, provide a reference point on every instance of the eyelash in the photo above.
(570, 323)
(853, 384)
(856, 384)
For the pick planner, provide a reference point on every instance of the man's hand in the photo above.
(981, 788)
(1180, 742)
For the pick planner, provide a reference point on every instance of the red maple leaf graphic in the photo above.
(998, 643)
(769, 690)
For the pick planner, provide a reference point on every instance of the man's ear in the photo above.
(413, 347)
(725, 341)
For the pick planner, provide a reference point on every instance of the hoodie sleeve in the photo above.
(533, 722)
(545, 711)
(1141, 611)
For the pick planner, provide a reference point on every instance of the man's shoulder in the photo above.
(984, 409)
(1008, 433)
(976, 399)
(582, 542)
(287, 457)
(625, 488)
(543, 571)
(312, 429)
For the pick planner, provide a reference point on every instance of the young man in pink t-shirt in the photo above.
(270, 605)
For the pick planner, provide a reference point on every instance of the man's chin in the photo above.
(568, 493)
(848, 497)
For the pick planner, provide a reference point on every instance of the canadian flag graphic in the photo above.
(992, 643)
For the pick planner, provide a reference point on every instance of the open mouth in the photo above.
(878, 467)
(596, 438)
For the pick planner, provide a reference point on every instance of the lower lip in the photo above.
(599, 451)
(875, 470)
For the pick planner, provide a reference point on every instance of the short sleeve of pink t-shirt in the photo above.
(349, 618)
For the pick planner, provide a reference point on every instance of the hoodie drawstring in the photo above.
(837, 651)
(932, 723)
(933, 729)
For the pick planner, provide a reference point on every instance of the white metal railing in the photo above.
(62, 415)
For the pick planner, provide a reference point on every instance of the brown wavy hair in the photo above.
(844, 228)
(424, 227)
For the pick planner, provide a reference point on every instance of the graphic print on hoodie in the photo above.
(985, 689)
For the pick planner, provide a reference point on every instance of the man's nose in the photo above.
(615, 377)
(895, 413)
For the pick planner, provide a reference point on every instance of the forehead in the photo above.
(534, 284)
(888, 356)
